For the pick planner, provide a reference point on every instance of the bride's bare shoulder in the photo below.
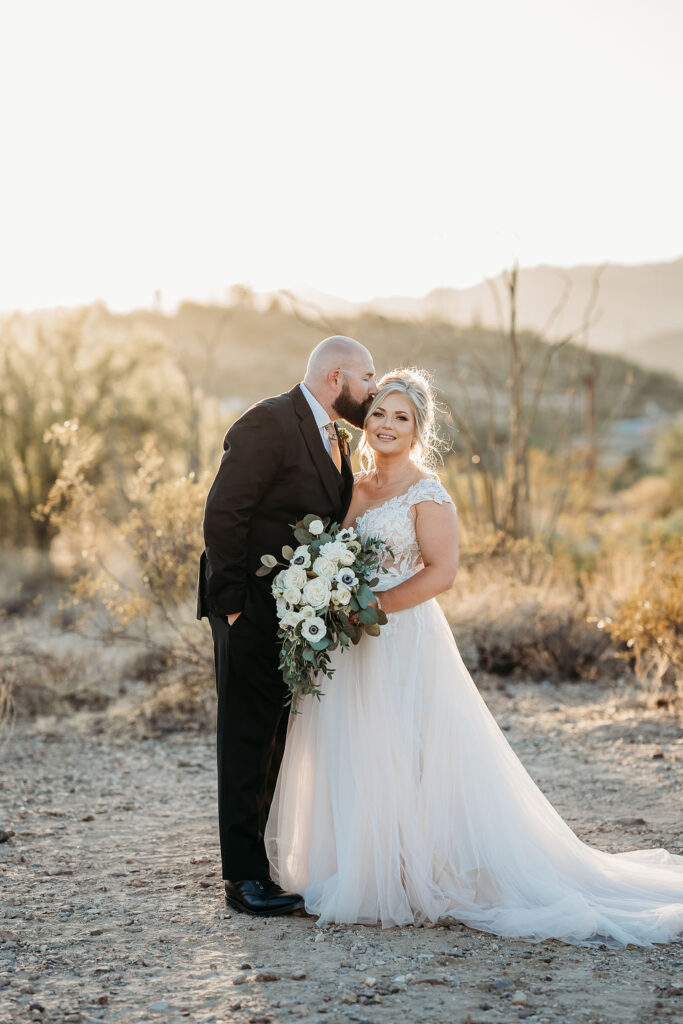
(360, 481)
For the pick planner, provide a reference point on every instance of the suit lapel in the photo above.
(314, 442)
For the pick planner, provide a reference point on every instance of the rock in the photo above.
(370, 982)
(319, 937)
(518, 998)
(159, 1007)
(630, 821)
(239, 979)
(5, 834)
(298, 975)
(348, 996)
(234, 1007)
(37, 1006)
(245, 967)
(400, 979)
(265, 976)
(501, 985)
(103, 999)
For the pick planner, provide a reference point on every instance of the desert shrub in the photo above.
(649, 623)
(518, 607)
(116, 389)
(138, 577)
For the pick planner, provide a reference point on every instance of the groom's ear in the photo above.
(335, 379)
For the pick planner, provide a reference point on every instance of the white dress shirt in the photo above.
(321, 417)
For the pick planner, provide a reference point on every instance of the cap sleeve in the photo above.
(429, 489)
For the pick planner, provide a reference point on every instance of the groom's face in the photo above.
(357, 392)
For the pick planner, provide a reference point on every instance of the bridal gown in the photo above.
(399, 800)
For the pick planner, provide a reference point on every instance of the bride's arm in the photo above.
(436, 526)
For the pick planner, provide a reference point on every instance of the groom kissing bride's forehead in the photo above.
(282, 458)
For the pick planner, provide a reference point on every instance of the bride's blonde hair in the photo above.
(416, 385)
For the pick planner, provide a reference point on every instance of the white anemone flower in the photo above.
(301, 557)
(314, 629)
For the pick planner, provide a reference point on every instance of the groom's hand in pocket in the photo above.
(233, 617)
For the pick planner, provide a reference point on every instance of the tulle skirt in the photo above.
(399, 801)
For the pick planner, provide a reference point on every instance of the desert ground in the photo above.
(112, 905)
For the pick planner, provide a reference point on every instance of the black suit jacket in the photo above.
(274, 471)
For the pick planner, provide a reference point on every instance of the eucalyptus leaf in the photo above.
(303, 536)
(364, 595)
(321, 645)
(269, 560)
(263, 570)
(373, 629)
(288, 552)
(368, 616)
(382, 617)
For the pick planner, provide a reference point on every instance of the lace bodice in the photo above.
(394, 522)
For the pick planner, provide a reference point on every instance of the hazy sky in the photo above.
(363, 148)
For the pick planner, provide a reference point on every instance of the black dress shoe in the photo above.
(261, 897)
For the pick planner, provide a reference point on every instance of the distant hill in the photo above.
(639, 312)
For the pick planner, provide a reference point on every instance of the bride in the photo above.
(399, 800)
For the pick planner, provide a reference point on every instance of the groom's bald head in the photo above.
(337, 353)
(341, 375)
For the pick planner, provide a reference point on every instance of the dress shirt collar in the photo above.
(321, 417)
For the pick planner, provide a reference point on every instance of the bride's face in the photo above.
(390, 429)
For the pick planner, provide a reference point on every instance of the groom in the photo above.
(283, 459)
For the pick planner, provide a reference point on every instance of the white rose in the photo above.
(295, 576)
(306, 612)
(333, 550)
(281, 606)
(325, 567)
(316, 527)
(347, 578)
(292, 595)
(279, 582)
(314, 629)
(292, 619)
(342, 595)
(317, 592)
(301, 557)
(348, 558)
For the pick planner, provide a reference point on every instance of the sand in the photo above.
(111, 898)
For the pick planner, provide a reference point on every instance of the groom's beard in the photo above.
(350, 409)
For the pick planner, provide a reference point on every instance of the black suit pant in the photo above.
(250, 740)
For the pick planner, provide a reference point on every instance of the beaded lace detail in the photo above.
(394, 522)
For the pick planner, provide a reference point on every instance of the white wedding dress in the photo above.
(399, 800)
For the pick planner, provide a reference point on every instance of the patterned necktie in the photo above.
(334, 445)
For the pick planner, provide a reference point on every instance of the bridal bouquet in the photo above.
(323, 594)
